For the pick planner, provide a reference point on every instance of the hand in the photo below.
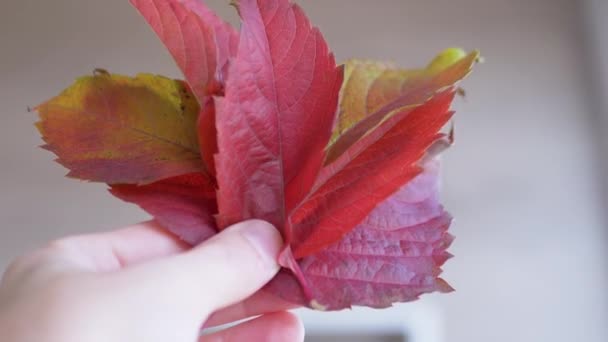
(142, 284)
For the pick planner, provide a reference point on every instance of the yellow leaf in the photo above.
(373, 91)
(119, 129)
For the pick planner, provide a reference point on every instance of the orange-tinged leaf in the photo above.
(375, 91)
(118, 129)
(394, 82)
(359, 76)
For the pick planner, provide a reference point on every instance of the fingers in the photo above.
(114, 250)
(233, 265)
(260, 303)
(276, 327)
(222, 271)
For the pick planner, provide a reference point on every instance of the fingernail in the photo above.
(265, 239)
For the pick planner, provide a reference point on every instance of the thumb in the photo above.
(222, 271)
(234, 264)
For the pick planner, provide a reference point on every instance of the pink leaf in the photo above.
(185, 205)
(395, 255)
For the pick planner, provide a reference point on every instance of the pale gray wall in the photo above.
(531, 242)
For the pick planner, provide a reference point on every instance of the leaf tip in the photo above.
(98, 72)
(446, 58)
(315, 305)
(236, 5)
(444, 287)
(461, 92)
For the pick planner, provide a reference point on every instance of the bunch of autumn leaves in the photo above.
(267, 126)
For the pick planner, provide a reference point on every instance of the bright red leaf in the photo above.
(350, 188)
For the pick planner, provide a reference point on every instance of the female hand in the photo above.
(142, 284)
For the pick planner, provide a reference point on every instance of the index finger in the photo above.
(262, 302)
(118, 249)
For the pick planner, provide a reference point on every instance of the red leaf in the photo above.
(226, 37)
(199, 41)
(277, 116)
(370, 171)
(207, 134)
(395, 255)
(185, 205)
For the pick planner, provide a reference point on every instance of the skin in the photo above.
(142, 284)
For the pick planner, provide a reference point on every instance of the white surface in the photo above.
(521, 181)
(417, 322)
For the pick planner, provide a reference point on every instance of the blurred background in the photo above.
(526, 180)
